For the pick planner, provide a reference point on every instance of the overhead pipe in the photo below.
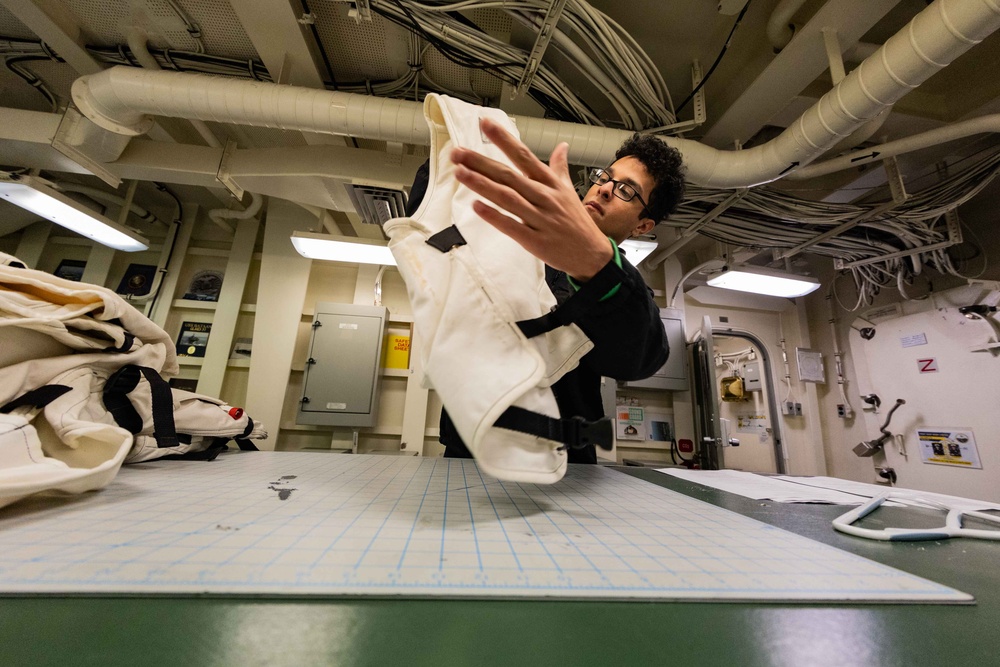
(137, 40)
(120, 99)
(779, 26)
(220, 215)
(941, 135)
(109, 197)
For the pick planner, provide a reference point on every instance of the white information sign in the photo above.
(631, 422)
(949, 447)
(913, 340)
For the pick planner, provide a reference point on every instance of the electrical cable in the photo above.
(190, 26)
(13, 64)
(173, 243)
(718, 59)
(319, 43)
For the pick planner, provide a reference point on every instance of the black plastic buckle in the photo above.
(578, 433)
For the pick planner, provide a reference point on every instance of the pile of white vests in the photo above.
(83, 389)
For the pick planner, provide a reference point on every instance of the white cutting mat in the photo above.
(283, 523)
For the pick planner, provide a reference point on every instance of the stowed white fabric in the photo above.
(73, 336)
(465, 305)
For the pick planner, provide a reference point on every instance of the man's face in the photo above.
(614, 217)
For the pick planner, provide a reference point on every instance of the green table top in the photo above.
(215, 631)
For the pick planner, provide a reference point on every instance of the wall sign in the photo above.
(927, 365)
(631, 423)
(913, 340)
(949, 447)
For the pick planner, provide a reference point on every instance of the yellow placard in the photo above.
(397, 351)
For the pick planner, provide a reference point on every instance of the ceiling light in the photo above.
(637, 250)
(40, 197)
(760, 280)
(342, 248)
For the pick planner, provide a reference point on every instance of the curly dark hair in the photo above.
(664, 164)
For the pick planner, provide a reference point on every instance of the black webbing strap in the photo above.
(447, 239)
(242, 441)
(116, 400)
(571, 310)
(573, 433)
(210, 453)
(127, 341)
(36, 398)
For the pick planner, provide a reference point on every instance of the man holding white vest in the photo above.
(578, 242)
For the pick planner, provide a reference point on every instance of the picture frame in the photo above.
(205, 286)
(137, 280)
(71, 269)
(192, 341)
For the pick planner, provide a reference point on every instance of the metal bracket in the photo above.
(362, 11)
(698, 101)
(896, 185)
(834, 56)
(71, 118)
(840, 264)
(954, 238)
(224, 174)
(697, 104)
(953, 226)
(545, 32)
(689, 232)
(853, 222)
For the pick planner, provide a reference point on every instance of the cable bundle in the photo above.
(770, 219)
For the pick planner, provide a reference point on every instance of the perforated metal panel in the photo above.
(11, 27)
(105, 23)
(360, 51)
(477, 82)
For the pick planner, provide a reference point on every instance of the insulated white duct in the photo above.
(120, 98)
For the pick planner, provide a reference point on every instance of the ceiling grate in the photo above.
(376, 205)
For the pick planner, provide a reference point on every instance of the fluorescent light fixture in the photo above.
(40, 197)
(760, 280)
(637, 250)
(342, 248)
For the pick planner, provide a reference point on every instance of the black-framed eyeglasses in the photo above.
(622, 190)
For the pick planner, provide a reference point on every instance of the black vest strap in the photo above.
(127, 341)
(116, 400)
(246, 445)
(573, 433)
(571, 309)
(210, 453)
(447, 239)
(36, 398)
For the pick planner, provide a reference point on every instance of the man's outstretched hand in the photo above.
(556, 228)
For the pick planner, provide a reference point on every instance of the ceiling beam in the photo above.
(56, 26)
(794, 68)
(286, 47)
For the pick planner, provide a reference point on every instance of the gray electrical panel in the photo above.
(673, 374)
(342, 373)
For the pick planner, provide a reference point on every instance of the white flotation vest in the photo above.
(83, 389)
(480, 306)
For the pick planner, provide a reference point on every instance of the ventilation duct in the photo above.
(120, 100)
(375, 205)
